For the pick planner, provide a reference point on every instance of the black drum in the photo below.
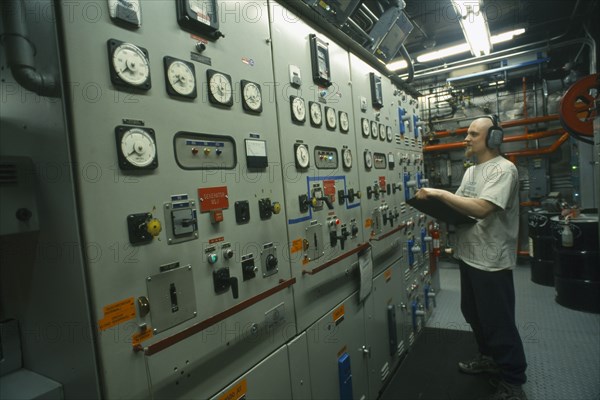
(577, 270)
(541, 252)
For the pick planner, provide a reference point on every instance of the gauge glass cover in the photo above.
(138, 147)
(251, 96)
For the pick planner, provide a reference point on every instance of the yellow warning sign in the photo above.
(139, 337)
(338, 314)
(236, 392)
(296, 246)
(387, 274)
(117, 313)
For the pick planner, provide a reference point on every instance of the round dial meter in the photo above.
(347, 158)
(219, 88)
(129, 65)
(344, 121)
(302, 155)
(365, 127)
(181, 79)
(137, 148)
(374, 129)
(251, 96)
(389, 134)
(381, 132)
(368, 159)
(316, 116)
(330, 118)
(298, 108)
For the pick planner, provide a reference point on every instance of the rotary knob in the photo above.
(271, 262)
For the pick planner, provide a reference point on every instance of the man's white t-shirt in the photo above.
(491, 243)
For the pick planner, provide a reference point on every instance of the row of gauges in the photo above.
(325, 157)
(376, 130)
(298, 109)
(130, 68)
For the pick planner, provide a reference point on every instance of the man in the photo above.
(487, 253)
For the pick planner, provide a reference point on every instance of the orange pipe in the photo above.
(513, 138)
(533, 136)
(543, 150)
(507, 124)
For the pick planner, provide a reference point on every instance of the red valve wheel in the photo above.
(578, 106)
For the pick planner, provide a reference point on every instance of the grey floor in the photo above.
(562, 345)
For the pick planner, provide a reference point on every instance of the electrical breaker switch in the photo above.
(143, 306)
(173, 296)
(242, 212)
(216, 216)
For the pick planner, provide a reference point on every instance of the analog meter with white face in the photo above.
(381, 132)
(344, 121)
(389, 134)
(374, 129)
(180, 77)
(316, 116)
(129, 65)
(365, 127)
(298, 109)
(330, 118)
(301, 155)
(220, 91)
(368, 159)
(136, 148)
(251, 96)
(347, 158)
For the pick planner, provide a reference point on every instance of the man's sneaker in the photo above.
(507, 391)
(481, 364)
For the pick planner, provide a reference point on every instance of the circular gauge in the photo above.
(298, 108)
(181, 80)
(316, 116)
(381, 132)
(368, 159)
(330, 118)
(219, 88)
(344, 121)
(130, 65)
(137, 148)
(389, 134)
(365, 127)
(251, 96)
(374, 129)
(302, 155)
(347, 158)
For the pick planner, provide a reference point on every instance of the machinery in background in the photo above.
(219, 202)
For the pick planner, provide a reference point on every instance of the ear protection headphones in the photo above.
(495, 134)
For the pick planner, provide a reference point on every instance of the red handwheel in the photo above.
(578, 106)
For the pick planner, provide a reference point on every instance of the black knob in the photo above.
(24, 214)
(271, 262)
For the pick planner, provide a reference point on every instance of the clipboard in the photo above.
(440, 210)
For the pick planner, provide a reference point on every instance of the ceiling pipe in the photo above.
(340, 37)
(504, 125)
(509, 53)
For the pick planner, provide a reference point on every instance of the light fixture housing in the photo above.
(473, 23)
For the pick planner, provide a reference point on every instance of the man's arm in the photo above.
(477, 208)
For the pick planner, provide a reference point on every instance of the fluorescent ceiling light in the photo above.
(496, 83)
(396, 65)
(442, 53)
(453, 50)
(463, 48)
(506, 36)
(474, 25)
